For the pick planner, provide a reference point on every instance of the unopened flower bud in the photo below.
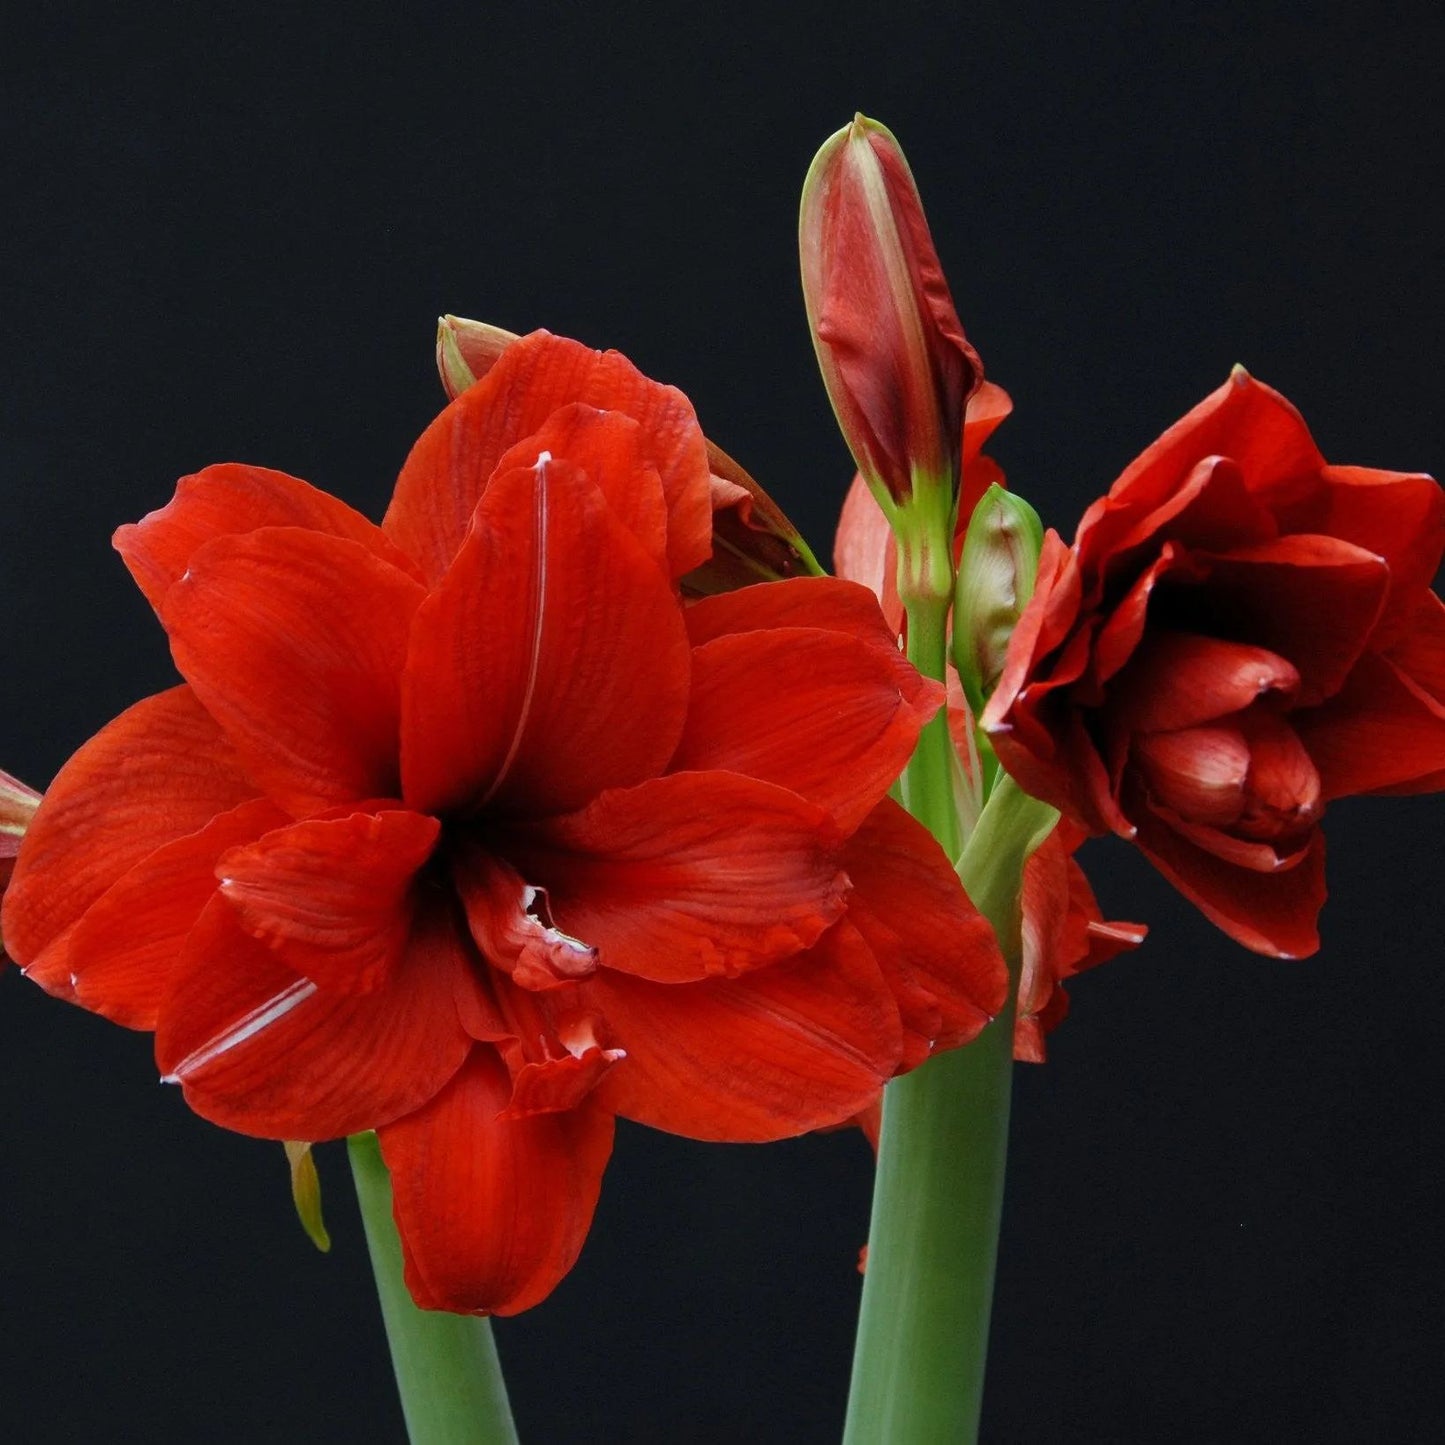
(996, 576)
(467, 351)
(894, 358)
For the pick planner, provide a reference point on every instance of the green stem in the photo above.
(918, 1366)
(452, 1391)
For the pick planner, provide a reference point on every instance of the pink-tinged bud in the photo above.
(17, 806)
(894, 358)
(467, 351)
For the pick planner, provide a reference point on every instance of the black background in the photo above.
(227, 232)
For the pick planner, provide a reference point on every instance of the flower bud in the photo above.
(996, 575)
(894, 358)
(467, 351)
(17, 806)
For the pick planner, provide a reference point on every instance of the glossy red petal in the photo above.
(689, 876)
(159, 771)
(839, 732)
(1399, 516)
(1313, 600)
(492, 1210)
(295, 643)
(510, 922)
(550, 663)
(1246, 421)
(1381, 732)
(259, 1049)
(798, 1046)
(229, 500)
(830, 603)
(610, 448)
(1272, 913)
(122, 951)
(451, 465)
(908, 904)
(332, 898)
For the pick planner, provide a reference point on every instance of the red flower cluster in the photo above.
(462, 828)
(1240, 633)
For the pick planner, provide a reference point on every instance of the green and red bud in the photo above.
(467, 351)
(996, 574)
(894, 358)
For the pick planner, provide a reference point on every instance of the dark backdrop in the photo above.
(227, 232)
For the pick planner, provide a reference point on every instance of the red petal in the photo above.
(332, 898)
(908, 904)
(690, 875)
(492, 1211)
(295, 641)
(1181, 680)
(259, 1049)
(1273, 913)
(1198, 772)
(1252, 425)
(826, 602)
(230, 500)
(161, 770)
(798, 1046)
(450, 466)
(1381, 732)
(864, 550)
(1399, 516)
(818, 712)
(550, 663)
(510, 924)
(1313, 600)
(122, 951)
(611, 450)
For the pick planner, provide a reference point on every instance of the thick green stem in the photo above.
(918, 1367)
(452, 1391)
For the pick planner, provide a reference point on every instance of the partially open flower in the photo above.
(1240, 633)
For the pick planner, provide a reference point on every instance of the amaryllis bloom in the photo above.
(1240, 633)
(463, 829)
(894, 358)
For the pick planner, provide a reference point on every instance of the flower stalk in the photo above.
(447, 1370)
(919, 1360)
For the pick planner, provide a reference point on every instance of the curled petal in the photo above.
(492, 1210)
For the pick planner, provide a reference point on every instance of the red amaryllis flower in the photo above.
(1239, 634)
(461, 829)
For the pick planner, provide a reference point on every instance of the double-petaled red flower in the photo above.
(1240, 633)
(463, 829)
